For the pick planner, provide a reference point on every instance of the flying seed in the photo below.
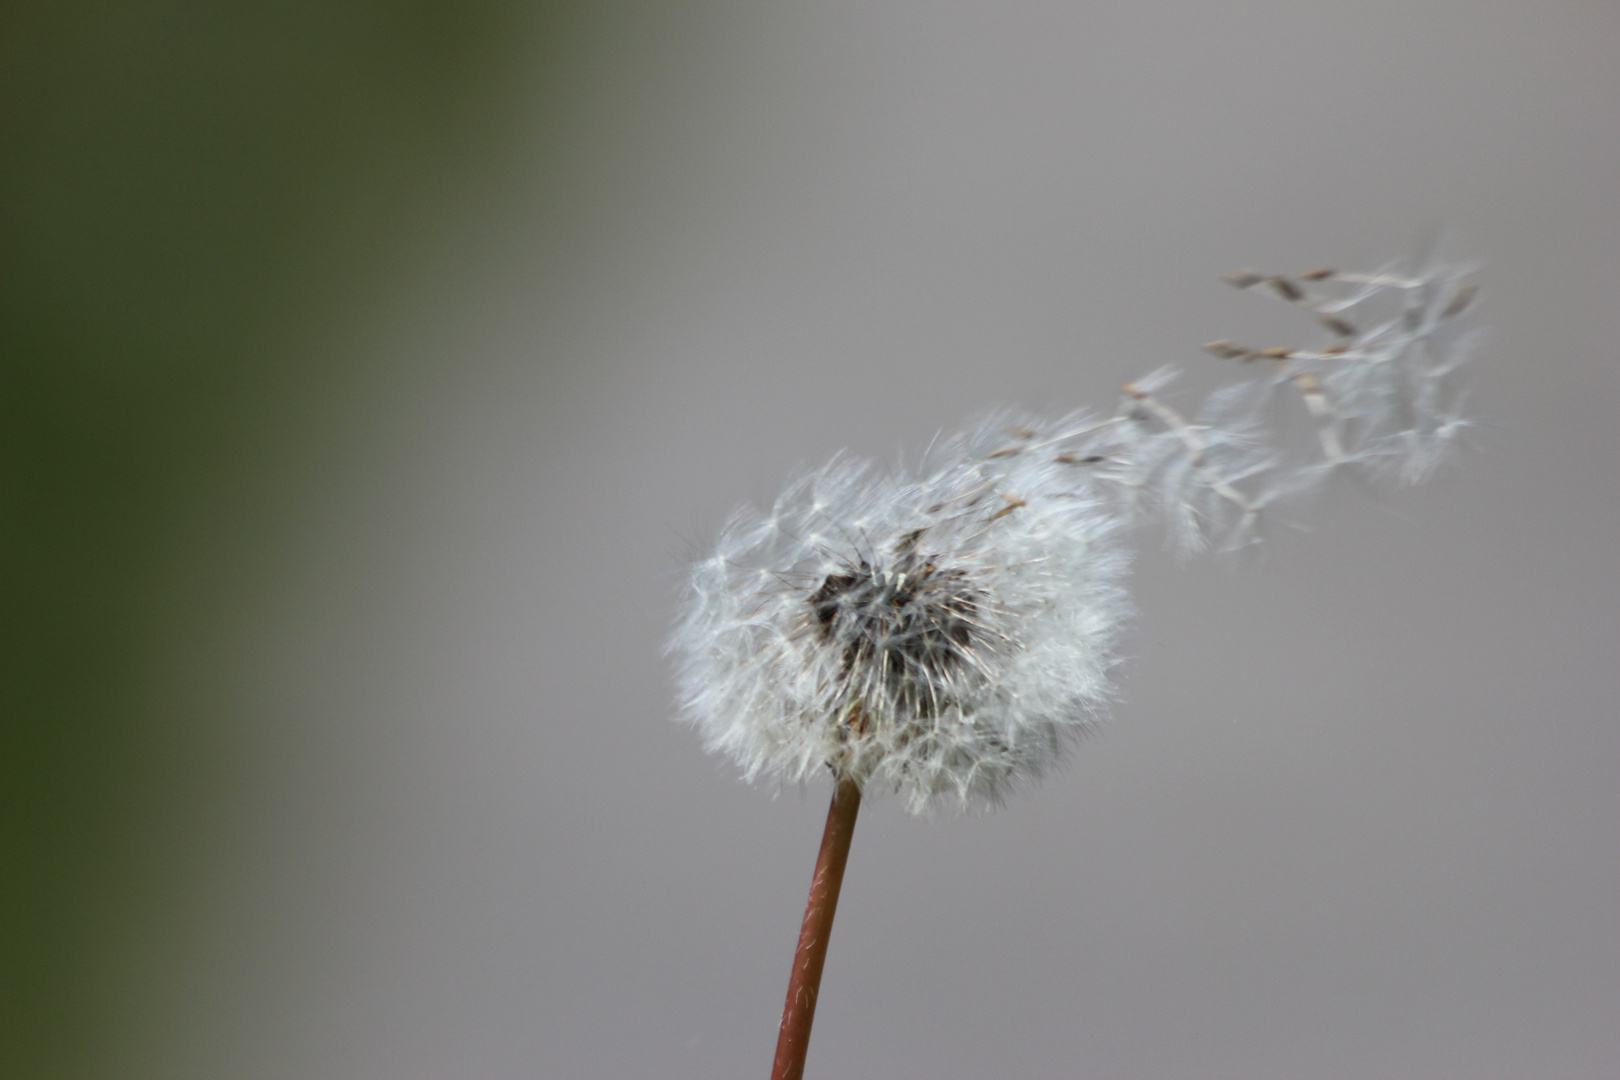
(1226, 350)
(1460, 302)
(1286, 289)
(1243, 279)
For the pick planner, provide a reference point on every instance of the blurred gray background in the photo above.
(372, 370)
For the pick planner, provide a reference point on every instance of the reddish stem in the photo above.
(805, 984)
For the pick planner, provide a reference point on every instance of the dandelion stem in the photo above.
(805, 984)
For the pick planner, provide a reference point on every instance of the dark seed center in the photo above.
(905, 632)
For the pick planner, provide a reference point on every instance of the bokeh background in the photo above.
(371, 369)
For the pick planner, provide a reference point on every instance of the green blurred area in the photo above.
(193, 197)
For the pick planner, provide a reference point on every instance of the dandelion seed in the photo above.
(1286, 289)
(1228, 350)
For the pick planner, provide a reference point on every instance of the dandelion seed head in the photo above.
(944, 635)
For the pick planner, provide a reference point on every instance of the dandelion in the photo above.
(945, 634)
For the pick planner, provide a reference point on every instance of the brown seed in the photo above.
(1338, 325)
(1286, 289)
(1013, 503)
(1321, 273)
(1460, 302)
(1243, 279)
(1226, 350)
